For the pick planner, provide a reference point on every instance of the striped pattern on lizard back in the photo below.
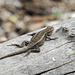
(38, 39)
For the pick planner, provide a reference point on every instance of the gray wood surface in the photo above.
(56, 56)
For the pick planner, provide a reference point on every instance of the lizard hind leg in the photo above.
(24, 43)
(37, 49)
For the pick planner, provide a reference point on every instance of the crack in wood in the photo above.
(60, 46)
(69, 73)
(55, 67)
(59, 65)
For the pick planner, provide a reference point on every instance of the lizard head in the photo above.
(49, 30)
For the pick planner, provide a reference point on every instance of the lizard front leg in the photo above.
(35, 49)
(48, 38)
(24, 43)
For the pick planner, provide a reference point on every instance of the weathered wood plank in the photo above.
(54, 58)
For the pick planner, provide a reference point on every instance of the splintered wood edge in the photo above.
(56, 57)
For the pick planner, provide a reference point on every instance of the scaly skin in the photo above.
(33, 46)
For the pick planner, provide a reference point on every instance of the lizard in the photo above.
(36, 41)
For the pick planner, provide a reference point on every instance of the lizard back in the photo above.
(38, 38)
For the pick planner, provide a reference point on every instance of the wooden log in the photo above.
(57, 57)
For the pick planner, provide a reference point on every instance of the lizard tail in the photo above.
(15, 53)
